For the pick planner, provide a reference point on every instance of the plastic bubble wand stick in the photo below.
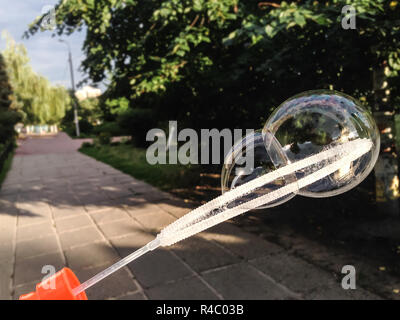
(217, 211)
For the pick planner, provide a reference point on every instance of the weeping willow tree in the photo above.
(39, 101)
(9, 115)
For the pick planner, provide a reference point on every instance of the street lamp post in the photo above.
(71, 69)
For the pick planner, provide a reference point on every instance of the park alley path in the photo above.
(59, 207)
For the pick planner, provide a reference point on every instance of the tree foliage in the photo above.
(226, 63)
(89, 116)
(39, 102)
(9, 116)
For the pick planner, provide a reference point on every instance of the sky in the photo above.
(48, 56)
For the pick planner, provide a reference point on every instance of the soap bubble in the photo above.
(305, 125)
(313, 121)
(266, 155)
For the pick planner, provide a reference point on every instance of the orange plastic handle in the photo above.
(56, 287)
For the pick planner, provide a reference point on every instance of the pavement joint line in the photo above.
(222, 247)
(133, 278)
(98, 210)
(41, 236)
(268, 255)
(197, 275)
(14, 256)
(170, 213)
(296, 295)
(152, 231)
(98, 265)
(94, 266)
(68, 217)
(60, 248)
(220, 268)
(39, 255)
(166, 211)
(83, 245)
(25, 284)
(77, 229)
(128, 293)
(241, 258)
(137, 215)
(112, 221)
(129, 234)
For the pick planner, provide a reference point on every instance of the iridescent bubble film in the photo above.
(305, 125)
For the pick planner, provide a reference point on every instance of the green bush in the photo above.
(136, 123)
(103, 138)
(111, 128)
(87, 145)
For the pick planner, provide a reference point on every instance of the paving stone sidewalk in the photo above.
(61, 208)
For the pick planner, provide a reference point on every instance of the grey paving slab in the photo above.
(33, 231)
(117, 191)
(176, 207)
(90, 197)
(39, 246)
(79, 237)
(120, 227)
(32, 209)
(133, 202)
(6, 252)
(74, 222)
(30, 270)
(154, 221)
(240, 243)
(157, 267)
(127, 243)
(8, 226)
(116, 285)
(203, 255)
(296, 274)
(241, 282)
(133, 296)
(109, 215)
(184, 289)
(105, 204)
(338, 293)
(139, 206)
(23, 289)
(90, 255)
(67, 210)
(5, 279)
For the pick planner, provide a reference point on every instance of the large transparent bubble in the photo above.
(250, 158)
(302, 126)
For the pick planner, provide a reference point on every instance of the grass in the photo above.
(6, 167)
(132, 161)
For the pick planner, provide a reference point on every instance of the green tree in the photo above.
(90, 115)
(9, 115)
(228, 62)
(38, 100)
